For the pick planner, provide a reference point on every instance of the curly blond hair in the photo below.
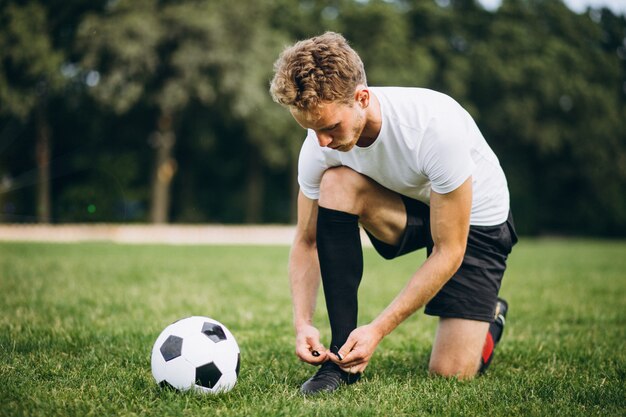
(317, 70)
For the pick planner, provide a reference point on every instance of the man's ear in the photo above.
(362, 96)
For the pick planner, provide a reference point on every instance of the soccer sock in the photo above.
(341, 264)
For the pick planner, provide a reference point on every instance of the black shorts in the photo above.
(472, 291)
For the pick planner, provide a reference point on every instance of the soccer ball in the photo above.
(196, 353)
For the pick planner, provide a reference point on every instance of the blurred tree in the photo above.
(549, 96)
(449, 31)
(390, 55)
(131, 52)
(168, 54)
(251, 49)
(37, 78)
(29, 74)
(190, 77)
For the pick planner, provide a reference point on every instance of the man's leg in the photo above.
(458, 347)
(458, 340)
(347, 198)
(471, 314)
(341, 265)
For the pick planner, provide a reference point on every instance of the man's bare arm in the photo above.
(304, 277)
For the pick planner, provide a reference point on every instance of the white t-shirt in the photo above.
(427, 141)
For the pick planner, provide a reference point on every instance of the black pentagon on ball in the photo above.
(238, 364)
(214, 332)
(208, 375)
(171, 348)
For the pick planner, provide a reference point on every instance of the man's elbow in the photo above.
(453, 256)
(457, 258)
(305, 241)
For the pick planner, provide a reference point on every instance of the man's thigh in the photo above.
(458, 347)
(381, 211)
(384, 214)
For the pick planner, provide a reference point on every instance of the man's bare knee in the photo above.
(453, 370)
(339, 189)
(452, 358)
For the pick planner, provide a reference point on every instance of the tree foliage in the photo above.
(547, 86)
(29, 63)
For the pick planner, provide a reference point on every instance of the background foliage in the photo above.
(157, 110)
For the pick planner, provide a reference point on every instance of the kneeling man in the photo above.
(411, 166)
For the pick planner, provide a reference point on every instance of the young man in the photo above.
(411, 166)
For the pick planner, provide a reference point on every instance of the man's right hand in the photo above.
(307, 342)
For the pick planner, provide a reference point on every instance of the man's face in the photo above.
(337, 126)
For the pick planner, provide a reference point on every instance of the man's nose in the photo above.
(324, 140)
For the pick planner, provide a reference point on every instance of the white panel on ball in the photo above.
(180, 374)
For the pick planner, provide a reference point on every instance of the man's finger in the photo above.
(317, 350)
(305, 353)
(347, 348)
(335, 350)
(356, 369)
(353, 358)
(318, 347)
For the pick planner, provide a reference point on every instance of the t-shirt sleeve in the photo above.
(311, 166)
(446, 156)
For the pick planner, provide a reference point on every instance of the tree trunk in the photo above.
(163, 141)
(42, 155)
(255, 190)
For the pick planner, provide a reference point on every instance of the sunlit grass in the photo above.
(77, 322)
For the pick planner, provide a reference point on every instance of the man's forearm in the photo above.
(423, 286)
(449, 223)
(304, 277)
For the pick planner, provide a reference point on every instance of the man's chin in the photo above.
(345, 148)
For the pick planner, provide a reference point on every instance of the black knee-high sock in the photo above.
(341, 264)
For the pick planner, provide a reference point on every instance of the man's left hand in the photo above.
(358, 349)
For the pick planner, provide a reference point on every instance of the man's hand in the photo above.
(307, 342)
(358, 349)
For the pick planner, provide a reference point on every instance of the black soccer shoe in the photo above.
(496, 328)
(327, 379)
(502, 307)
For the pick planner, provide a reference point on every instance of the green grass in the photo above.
(77, 323)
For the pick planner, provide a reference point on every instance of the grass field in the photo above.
(77, 323)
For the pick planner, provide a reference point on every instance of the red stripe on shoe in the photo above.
(488, 348)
